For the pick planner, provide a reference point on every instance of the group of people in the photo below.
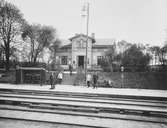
(56, 79)
(92, 79)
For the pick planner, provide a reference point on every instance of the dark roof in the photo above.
(102, 41)
(78, 35)
(101, 46)
(66, 46)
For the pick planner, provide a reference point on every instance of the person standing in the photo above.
(54, 79)
(122, 68)
(70, 67)
(95, 78)
(88, 80)
(51, 81)
(60, 77)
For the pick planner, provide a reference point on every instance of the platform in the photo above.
(83, 89)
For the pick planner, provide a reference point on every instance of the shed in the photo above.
(30, 75)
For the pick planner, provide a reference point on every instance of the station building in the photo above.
(75, 52)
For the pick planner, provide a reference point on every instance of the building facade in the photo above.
(75, 52)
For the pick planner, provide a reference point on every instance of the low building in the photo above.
(75, 52)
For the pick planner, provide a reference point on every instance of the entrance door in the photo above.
(81, 61)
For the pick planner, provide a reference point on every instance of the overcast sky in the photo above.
(140, 21)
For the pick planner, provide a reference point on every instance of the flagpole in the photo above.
(87, 33)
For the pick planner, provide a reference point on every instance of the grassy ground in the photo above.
(142, 80)
(7, 77)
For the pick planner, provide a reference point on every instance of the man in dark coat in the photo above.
(95, 79)
(51, 81)
(70, 69)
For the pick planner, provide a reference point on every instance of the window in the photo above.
(64, 60)
(99, 60)
(81, 44)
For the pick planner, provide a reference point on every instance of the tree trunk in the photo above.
(35, 59)
(7, 55)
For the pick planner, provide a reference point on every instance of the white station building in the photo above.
(75, 52)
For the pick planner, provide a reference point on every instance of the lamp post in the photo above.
(86, 9)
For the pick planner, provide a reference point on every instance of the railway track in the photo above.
(86, 95)
(90, 107)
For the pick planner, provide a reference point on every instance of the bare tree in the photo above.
(54, 48)
(40, 37)
(10, 24)
(1, 52)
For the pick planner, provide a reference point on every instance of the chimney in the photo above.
(93, 35)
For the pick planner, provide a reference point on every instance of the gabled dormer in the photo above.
(79, 41)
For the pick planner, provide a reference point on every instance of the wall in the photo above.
(96, 53)
(81, 51)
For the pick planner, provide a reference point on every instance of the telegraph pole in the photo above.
(86, 9)
(87, 32)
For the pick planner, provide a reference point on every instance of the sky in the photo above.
(136, 21)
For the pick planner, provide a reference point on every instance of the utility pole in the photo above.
(86, 9)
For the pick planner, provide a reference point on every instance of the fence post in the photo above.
(122, 76)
